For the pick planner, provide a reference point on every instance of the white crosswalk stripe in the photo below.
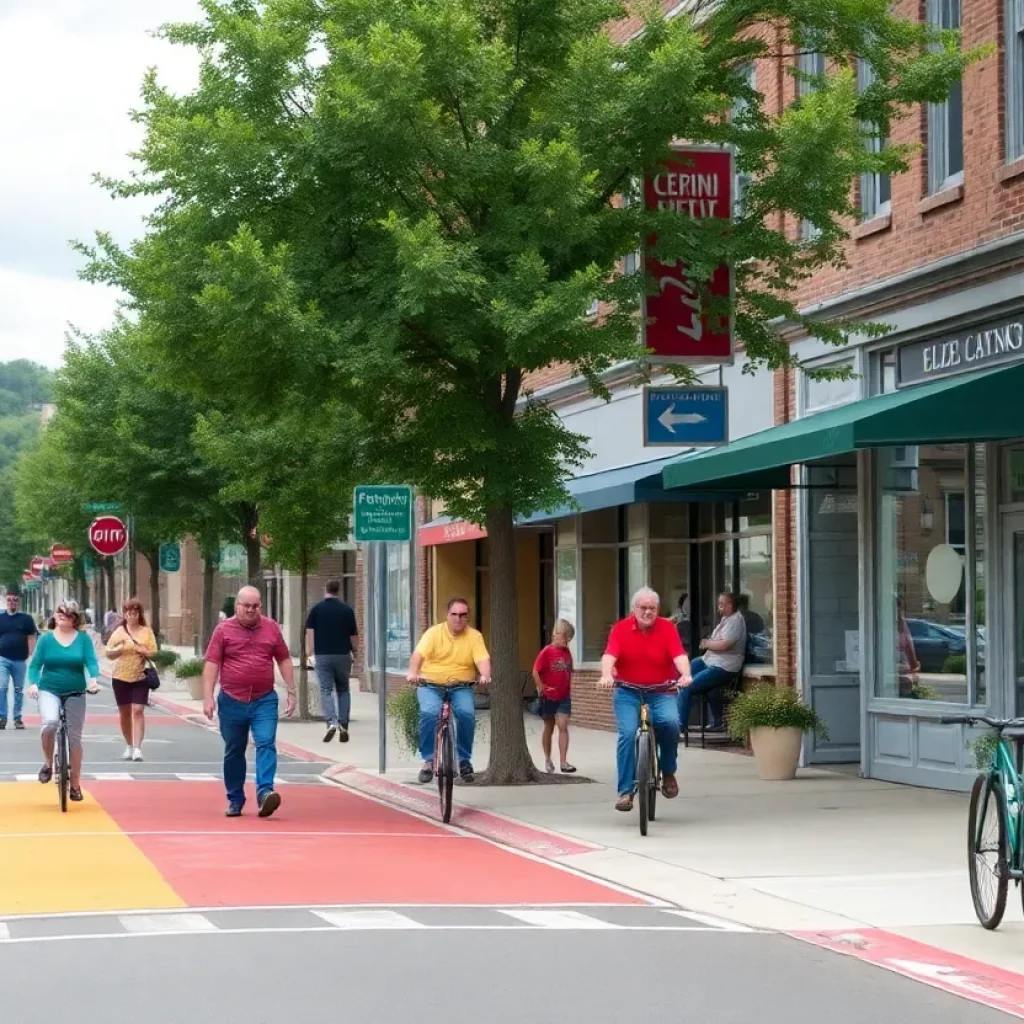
(114, 777)
(368, 919)
(558, 919)
(26, 778)
(5, 932)
(145, 923)
(711, 922)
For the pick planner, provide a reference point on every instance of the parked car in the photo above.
(934, 642)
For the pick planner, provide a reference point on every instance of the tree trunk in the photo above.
(510, 762)
(108, 570)
(253, 551)
(152, 556)
(100, 608)
(209, 613)
(304, 712)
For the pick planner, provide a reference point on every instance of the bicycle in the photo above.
(997, 797)
(444, 745)
(648, 772)
(62, 751)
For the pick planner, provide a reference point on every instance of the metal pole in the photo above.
(382, 647)
(131, 556)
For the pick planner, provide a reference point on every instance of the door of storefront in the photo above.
(1013, 561)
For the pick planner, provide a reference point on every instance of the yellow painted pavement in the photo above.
(79, 861)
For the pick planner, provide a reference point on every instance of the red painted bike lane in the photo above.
(327, 845)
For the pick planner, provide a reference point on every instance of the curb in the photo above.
(958, 975)
(486, 824)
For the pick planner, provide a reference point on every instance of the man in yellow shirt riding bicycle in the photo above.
(449, 654)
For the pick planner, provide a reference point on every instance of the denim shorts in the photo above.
(550, 708)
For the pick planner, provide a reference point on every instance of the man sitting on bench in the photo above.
(725, 650)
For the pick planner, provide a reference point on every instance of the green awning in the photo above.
(984, 406)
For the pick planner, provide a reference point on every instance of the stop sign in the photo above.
(61, 554)
(108, 535)
(36, 565)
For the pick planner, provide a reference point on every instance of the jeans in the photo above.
(664, 717)
(15, 671)
(332, 673)
(705, 679)
(237, 720)
(463, 711)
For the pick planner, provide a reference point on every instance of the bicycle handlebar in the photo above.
(994, 723)
(453, 685)
(667, 686)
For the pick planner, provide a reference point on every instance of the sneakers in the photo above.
(426, 772)
(3, 724)
(332, 728)
(136, 754)
(45, 773)
(233, 811)
(269, 802)
(466, 772)
(128, 753)
(19, 724)
(343, 734)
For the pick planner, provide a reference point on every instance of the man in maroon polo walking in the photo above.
(242, 653)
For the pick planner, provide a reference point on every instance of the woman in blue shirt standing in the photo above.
(64, 663)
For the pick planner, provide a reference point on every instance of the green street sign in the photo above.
(233, 560)
(382, 514)
(87, 563)
(102, 506)
(170, 557)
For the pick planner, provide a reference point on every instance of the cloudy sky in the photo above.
(70, 72)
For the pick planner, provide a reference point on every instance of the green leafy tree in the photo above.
(412, 205)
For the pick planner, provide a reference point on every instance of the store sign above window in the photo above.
(696, 183)
(991, 344)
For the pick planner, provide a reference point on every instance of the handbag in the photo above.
(150, 676)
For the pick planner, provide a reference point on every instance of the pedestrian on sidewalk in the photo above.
(130, 646)
(644, 651)
(725, 651)
(330, 639)
(17, 642)
(241, 655)
(552, 675)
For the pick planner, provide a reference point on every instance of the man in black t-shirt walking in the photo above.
(17, 642)
(331, 636)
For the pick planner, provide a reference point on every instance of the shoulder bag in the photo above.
(150, 675)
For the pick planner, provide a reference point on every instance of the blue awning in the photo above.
(626, 485)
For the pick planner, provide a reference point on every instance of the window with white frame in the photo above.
(875, 189)
(742, 179)
(946, 120)
(811, 65)
(1014, 80)
(822, 393)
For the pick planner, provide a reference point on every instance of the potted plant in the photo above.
(775, 718)
(191, 670)
(404, 711)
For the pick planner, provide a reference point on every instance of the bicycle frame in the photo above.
(1006, 767)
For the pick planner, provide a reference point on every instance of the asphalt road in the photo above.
(145, 904)
(437, 977)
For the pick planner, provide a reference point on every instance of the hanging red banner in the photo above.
(698, 182)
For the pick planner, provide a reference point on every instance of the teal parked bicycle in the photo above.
(995, 819)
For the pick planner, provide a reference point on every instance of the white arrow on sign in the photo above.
(669, 420)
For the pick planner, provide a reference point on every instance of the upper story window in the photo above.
(811, 65)
(946, 120)
(875, 189)
(1014, 80)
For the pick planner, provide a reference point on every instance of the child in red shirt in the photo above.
(552, 674)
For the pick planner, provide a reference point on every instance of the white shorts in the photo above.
(74, 710)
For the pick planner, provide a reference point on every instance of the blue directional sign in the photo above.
(685, 417)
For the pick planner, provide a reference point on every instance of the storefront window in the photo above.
(923, 572)
(978, 589)
(566, 590)
(600, 567)
(601, 527)
(668, 521)
(399, 605)
(670, 577)
(1013, 475)
(825, 394)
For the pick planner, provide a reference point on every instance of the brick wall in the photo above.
(784, 546)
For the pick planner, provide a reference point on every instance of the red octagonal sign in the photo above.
(108, 535)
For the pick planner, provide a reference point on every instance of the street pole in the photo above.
(382, 647)
(131, 556)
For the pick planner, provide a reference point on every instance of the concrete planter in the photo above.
(195, 687)
(776, 752)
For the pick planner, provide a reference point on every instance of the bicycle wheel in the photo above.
(446, 777)
(62, 766)
(643, 779)
(986, 850)
(654, 778)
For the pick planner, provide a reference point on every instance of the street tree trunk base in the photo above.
(533, 777)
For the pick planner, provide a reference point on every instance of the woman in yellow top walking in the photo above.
(130, 645)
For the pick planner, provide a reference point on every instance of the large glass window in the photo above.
(825, 394)
(399, 605)
(946, 120)
(930, 507)
(600, 598)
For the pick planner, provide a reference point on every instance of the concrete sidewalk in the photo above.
(829, 852)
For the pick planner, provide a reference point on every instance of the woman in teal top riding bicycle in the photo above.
(63, 666)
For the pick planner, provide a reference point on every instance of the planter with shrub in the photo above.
(775, 718)
(165, 659)
(404, 711)
(191, 670)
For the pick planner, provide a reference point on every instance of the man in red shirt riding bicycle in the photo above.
(644, 650)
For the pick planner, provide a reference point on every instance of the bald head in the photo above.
(247, 606)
